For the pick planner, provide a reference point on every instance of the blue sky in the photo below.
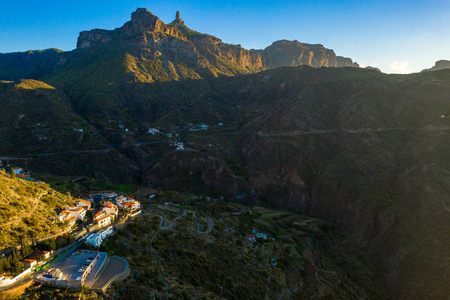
(395, 36)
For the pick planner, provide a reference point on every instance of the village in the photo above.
(96, 219)
(91, 220)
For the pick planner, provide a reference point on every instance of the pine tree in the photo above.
(13, 173)
(16, 264)
(26, 249)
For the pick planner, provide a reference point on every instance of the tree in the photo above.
(16, 264)
(48, 244)
(13, 173)
(25, 248)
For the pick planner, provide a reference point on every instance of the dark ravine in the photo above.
(356, 146)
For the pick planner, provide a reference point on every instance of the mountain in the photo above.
(154, 51)
(362, 148)
(293, 53)
(439, 65)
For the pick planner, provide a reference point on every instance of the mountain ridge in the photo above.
(180, 49)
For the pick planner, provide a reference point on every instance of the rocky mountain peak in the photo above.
(143, 19)
(439, 65)
(178, 19)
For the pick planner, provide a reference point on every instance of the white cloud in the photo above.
(400, 67)
(363, 65)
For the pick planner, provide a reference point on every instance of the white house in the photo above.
(78, 212)
(104, 221)
(131, 205)
(110, 209)
(122, 199)
(72, 221)
(96, 239)
(64, 216)
(153, 131)
(86, 204)
(18, 170)
(29, 263)
(99, 215)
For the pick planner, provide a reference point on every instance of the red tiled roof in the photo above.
(101, 219)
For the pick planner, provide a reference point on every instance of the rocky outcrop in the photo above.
(439, 65)
(147, 30)
(294, 53)
(145, 36)
(144, 28)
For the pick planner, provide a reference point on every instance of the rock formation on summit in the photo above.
(148, 30)
(294, 53)
(439, 65)
(183, 53)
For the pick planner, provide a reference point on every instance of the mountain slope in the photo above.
(27, 210)
(36, 117)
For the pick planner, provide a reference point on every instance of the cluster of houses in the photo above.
(178, 145)
(107, 215)
(190, 127)
(74, 213)
(199, 127)
(153, 131)
(111, 206)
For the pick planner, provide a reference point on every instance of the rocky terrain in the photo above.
(439, 65)
(356, 146)
(173, 50)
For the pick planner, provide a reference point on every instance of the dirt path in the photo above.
(362, 130)
(35, 205)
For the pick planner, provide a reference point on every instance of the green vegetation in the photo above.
(28, 209)
(224, 264)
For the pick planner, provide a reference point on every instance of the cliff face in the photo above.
(149, 32)
(439, 65)
(185, 53)
(294, 53)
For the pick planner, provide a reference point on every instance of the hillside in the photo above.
(198, 247)
(28, 210)
(30, 64)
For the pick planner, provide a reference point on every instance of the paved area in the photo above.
(91, 277)
(115, 266)
(71, 267)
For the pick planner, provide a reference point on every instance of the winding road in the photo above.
(184, 214)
